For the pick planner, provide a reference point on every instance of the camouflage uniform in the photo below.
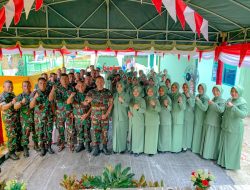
(52, 111)
(41, 113)
(82, 126)
(10, 118)
(63, 113)
(99, 105)
(27, 120)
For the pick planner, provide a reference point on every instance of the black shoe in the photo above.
(13, 156)
(43, 152)
(88, 147)
(26, 152)
(36, 147)
(122, 152)
(19, 148)
(50, 150)
(105, 150)
(136, 154)
(150, 155)
(80, 147)
(96, 151)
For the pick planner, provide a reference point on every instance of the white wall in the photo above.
(176, 68)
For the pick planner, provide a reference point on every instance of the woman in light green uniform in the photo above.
(188, 118)
(120, 118)
(165, 128)
(152, 121)
(137, 108)
(232, 130)
(178, 109)
(201, 106)
(211, 127)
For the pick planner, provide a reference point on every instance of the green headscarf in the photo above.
(219, 87)
(148, 98)
(123, 87)
(165, 96)
(139, 90)
(203, 96)
(239, 90)
(177, 94)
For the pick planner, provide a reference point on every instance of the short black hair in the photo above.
(64, 75)
(99, 77)
(41, 78)
(8, 81)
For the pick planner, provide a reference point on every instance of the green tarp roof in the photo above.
(122, 24)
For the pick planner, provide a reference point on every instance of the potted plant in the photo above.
(15, 185)
(202, 179)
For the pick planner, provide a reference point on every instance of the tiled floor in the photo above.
(174, 169)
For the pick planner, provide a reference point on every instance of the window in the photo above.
(228, 75)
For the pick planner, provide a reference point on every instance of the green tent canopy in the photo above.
(122, 24)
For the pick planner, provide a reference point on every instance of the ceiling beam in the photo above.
(100, 29)
(100, 39)
(240, 4)
(123, 14)
(91, 14)
(62, 16)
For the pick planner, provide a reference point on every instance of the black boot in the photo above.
(50, 150)
(96, 151)
(88, 147)
(26, 152)
(105, 150)
(43, 151)
(80, 147)
(13, 156)
(36, 147)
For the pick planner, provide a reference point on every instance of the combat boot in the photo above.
(36, 147)
(50, 150)
(26, 152)
(105, 150)
(80, 147)
(61, 147)
(88, 147)
(13, 156)
(96, 151)
(43, 151)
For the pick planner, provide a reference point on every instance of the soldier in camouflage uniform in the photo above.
(9, 115)
(42, 107)
(101, 101)
(81, 112)
(26, 117)
(63, 111)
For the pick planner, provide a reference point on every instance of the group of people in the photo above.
(149, 115)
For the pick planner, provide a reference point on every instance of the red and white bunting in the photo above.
(185, 15)
(13, 9)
